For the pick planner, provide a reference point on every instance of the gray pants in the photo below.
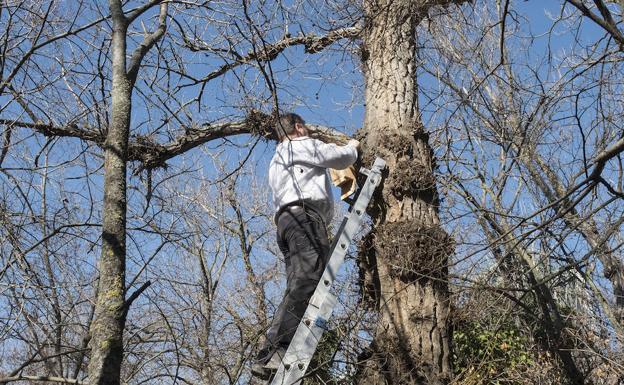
(302, 238)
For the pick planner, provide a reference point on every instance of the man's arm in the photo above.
(326, 134)
(330, 155)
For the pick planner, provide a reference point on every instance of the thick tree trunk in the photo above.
(408, 246)
(108, 325)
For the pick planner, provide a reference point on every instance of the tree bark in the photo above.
(111, 306)
(107, 327)
(409, 250)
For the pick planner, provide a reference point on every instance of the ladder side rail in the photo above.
(337, 258)
(348, 229)
(302, 347)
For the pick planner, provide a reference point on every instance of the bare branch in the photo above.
(148, 43)
(5, 145)
(41, 378)
(311, 42)
(154, 155)
(326, 134)
(502, 35)
(605, 24)
(606, 14)
(142, 9)
(47, 129)
(605, 155)
(134, 296)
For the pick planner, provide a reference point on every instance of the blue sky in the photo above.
(324, 88)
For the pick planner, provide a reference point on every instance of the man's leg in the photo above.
(308, 247)
(302, 237)
(271, 343)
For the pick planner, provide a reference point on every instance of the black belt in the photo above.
(303, 204)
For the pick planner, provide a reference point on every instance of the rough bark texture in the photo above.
(107, 327)
(408, 246)
(111, 305)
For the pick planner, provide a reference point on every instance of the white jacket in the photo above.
(298, 171)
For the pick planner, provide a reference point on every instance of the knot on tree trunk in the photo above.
(385, 145)
(410, 177)
(413, 251)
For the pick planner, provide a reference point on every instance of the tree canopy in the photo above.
(136, 236)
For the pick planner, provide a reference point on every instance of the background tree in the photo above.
(520, 113)
(526, 126)
(82, 45)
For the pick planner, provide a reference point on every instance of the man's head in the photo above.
(290, 125)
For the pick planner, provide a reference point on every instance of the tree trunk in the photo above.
(108, 325)
(111, 307)
(408, 246)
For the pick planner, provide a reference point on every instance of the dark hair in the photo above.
(286, 124)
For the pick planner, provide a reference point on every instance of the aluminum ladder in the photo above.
(314, 322)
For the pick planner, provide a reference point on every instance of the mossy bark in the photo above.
(108, 325)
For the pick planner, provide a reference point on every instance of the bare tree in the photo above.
(516, 114)
(529, 147)
(410, 249)
(111, 306)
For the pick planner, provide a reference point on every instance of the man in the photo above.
(303, 203)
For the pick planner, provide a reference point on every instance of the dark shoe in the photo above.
(263, 368)
(276, 359)
(258, 370)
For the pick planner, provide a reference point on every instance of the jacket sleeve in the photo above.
(327, 155)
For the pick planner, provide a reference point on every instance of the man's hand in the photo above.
(355, 143)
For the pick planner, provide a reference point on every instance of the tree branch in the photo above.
(610, 28)
(134, 296)
(5, 82)
(148, 43)
(604, 156)
(311, 42)
(153, 155)
(326, 134)
(46, 129)
(135, 12)
(150, 153)
(61, 380)
(5, 145)
(606, 14)
(142, 9)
